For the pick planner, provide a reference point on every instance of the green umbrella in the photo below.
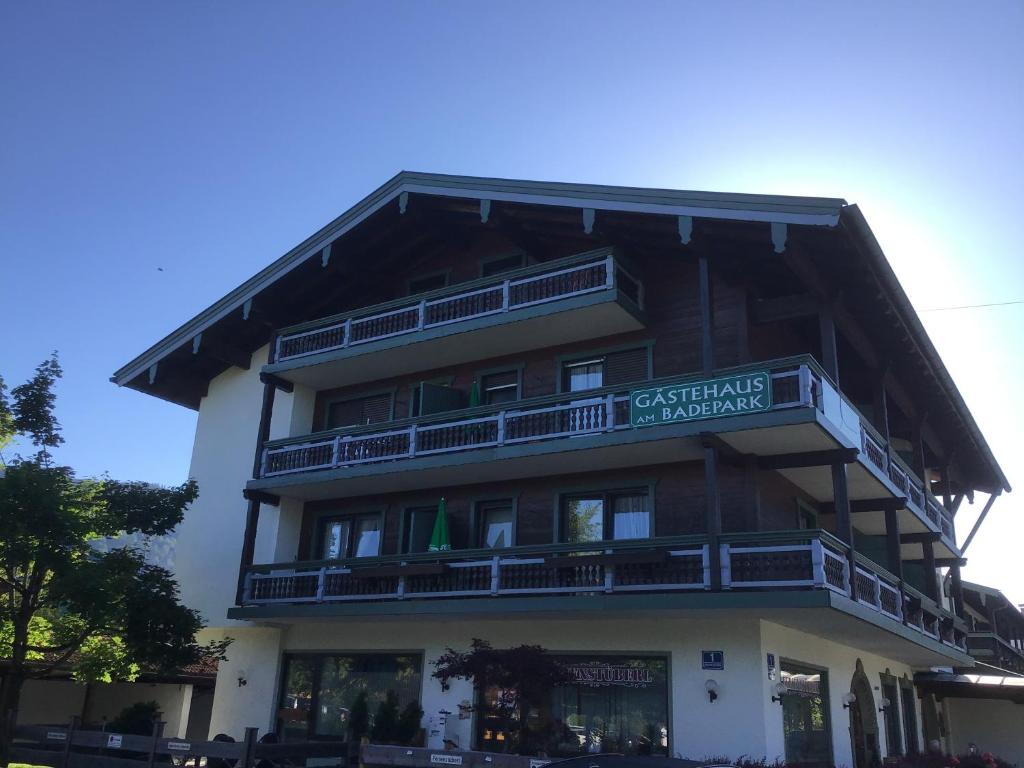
(439, 538)
(474, 394)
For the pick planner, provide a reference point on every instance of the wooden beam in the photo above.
(809, 459)
(920, 538)
(707, 314)
(871, 505)
(277, 382)
(219, 350)
(844, 522)
(262, 497)
(713, 515)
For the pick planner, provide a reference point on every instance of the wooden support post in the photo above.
(713, 515)
(248, 748)
(844, 521)
(72, 727)
(917, 445)
(158, 731)
(947, 489)
(707, 317)
(956, 590)
(829, 347)
(882, 410)
(252, 516)
(892, 548)
(931, 583)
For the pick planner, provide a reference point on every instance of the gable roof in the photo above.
(738, 207)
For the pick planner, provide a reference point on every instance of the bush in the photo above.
(408, 731)
(137, 718)
(359, 718)
(385, 723)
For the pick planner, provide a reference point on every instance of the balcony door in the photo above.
(606, 515)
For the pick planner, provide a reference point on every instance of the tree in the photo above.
(519, 678)
(64, 602)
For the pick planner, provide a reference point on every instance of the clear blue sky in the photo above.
(208, 138)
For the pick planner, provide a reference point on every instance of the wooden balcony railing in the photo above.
(537, 419)
(575, 276)
(811, 559)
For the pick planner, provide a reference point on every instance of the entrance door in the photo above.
(864, 722)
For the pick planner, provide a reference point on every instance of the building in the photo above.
(698, 445)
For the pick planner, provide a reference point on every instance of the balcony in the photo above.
(988, 647)
(592, 295)
(784, 561)
(591, 431)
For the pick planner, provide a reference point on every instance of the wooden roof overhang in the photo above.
(414, 216)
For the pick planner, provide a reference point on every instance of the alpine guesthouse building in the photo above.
(696, 445)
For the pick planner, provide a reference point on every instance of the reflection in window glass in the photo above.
(367, 540)
(909, 717)
(420, 529)
(497, 524)
(584, 519)
(630, 516)
(616, 704)
(805, 721)
(293, 716)
(334, 535)
(319, 691)
(588, 374)
(893, 742)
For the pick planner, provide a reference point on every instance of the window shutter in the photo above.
(377, 409)
(625, 367)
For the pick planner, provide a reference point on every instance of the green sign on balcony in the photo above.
(695, 400)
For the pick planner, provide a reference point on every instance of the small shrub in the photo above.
(359, 718)
(385, 723)
(407, 733)
(137, 719)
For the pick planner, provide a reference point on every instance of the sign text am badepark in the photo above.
(694, 400)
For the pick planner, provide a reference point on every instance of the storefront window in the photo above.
(615, 704)
(805, 720)
(318, 691)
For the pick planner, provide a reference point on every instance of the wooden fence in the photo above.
(72, 746)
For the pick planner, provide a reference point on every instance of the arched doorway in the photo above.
(864, 722)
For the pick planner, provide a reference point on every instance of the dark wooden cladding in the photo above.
(679, 501)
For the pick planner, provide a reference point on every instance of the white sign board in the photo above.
(446, 759)
(181, 746)
(114, 741)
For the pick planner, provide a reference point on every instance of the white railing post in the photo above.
(817, 563)
(501, 427)
(609, 578)
(706, 561)
(277, 349)
(321, 582)
(412, 441)
(400, 593)
(609, 278)
(421, 312)
(495, 575)
(505, 296)
(336, 451)
(348, 332)
(247, 588)
(609, 417)
(804, 376)
(723, 550)
(263, 462)
(846, 575)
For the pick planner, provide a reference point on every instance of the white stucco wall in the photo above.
(105, 702)
(995, 726)
(49, 702)
(841, 662)
(742, 721)
(209, 539)
(255, 657)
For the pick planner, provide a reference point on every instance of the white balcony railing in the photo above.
(539, 285)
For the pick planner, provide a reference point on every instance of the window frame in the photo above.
(803, 667)
(325, 518)
(390, 392)
(607, 491)
(894, 710)
(804, 513)
(561, 361)
(911, 737)
(477, 513)
(405, 527)
(445, 273)
(416, 392)
(517, 368)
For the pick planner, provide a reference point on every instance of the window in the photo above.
(428, 283)
(419, 527)
(893, 742)
(621, 367)
(614, 703)
(357, 536)
(593, 516)
(805, 716)
(806, 515)
(500, 387)
(357, 411)
(497, 266)
(318, 691)
(909, 712)
(497, 524)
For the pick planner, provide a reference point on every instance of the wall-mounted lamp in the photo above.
(884, 704)
(711, 686)
(242, 679)
(779, 690)
(848, 699)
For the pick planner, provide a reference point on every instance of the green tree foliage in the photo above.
(63, 601)
(409, 725)
(509, 682)
(359, 717)
(385, 723)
